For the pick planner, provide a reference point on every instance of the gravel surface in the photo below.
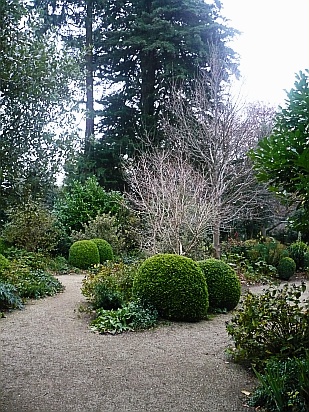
(51, 361)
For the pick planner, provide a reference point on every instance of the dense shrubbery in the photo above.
(275, 323)
(83, 254)
(24, 278)
(174, 285)
(81, 202)
(223, 284)
(33, 228)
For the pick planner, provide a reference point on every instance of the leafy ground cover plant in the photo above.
(275, 323)
(9, 298)
(38, 284)
(297, 252)
(284, 386)
(131, 317)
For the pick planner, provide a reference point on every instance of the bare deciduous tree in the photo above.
(174, 200)
(216, 133)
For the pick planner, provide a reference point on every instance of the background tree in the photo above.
(281, 160)
(216, 134)
(35, 102)
(146, 45)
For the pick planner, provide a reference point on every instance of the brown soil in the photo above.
(51, 361)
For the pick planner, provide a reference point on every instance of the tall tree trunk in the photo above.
(148, 71)
(89, 131)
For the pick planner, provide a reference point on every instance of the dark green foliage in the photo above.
(267, 250)
(24, 258)
(80, 202)
(4, 263)
(286, 268)
(83, 254)
(131, 317)
(284, 386)
(297, 252)
(282, 159)
(105, 250)
(32, 227)
(223, 284)
(36, 98)
(111, 282)
(275, 323)
(306, 260)
(174, 285)
(9, 298)
(106, 295)
(37, 284)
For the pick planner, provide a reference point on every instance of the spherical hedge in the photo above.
(223, 284)
(105, 250)
(174, 285)
(286, 268)
(83, 254)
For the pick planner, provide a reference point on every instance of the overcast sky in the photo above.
(273, 46)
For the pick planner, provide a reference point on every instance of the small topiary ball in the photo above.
(105, 250)
(83, 254)
(286, 268)
(174, 285)
(223, 284)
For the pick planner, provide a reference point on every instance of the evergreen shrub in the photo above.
(223, 284)
(174, 285)
(286, 268)
(105, 250)
(297, 252)
(83, 254)
(4, 263)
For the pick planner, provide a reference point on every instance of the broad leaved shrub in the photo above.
(275, 323)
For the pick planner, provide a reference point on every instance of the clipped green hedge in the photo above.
(223, 284)
(83, 254)
(105, 250)
(286, 268)
(174, 285)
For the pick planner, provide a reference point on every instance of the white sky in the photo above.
(273, 46)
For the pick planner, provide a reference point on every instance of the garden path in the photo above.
(51, 361)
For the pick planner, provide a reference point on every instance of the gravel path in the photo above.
(51, 361)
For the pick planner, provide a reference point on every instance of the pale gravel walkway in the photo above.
(51, 361)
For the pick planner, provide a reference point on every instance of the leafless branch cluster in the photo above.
(173, 198)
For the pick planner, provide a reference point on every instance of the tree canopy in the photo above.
(35, 98)
(282, 159)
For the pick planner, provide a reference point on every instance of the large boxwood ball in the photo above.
(223, 284)
(83, 254)
(105, 250)
(174, 285)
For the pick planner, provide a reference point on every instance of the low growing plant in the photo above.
(284, 386)
(9, 298)
(131, 317)
(275, 323)
(297, 252)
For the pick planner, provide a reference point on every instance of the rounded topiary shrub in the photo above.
(83, 254)
(286, 268)
(223, 284)
(105, 250)
(174, 285)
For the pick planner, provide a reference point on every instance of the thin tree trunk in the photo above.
(216, 240)
(89, 131)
